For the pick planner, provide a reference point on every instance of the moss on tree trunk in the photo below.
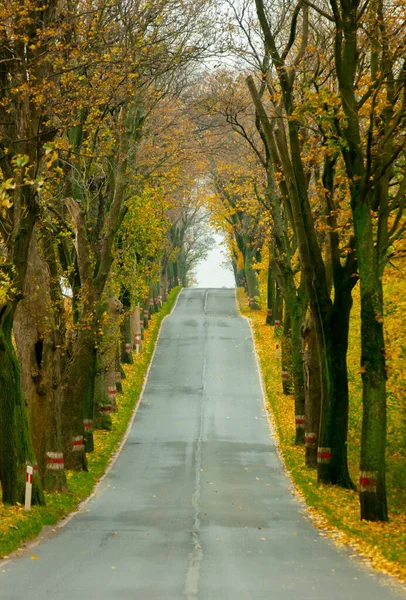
(16, 449)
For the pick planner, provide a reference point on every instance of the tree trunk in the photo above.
(163, 281)
(78, 394)
(270, 295)
(373, 440)
(278, 308)
(297, 315)
(332, 453)
(373, 368)
(38, 340)
(287, 354)
(311, 362)
(146, 313)
(106, 373)
(16, 449)
(136, 324)
(104, 399)
(120, 375)
(126, 343)
(252, 280)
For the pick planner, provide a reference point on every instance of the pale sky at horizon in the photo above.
(211, 273)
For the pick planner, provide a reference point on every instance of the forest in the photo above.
(129, 131)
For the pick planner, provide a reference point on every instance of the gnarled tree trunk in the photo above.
(39, 336)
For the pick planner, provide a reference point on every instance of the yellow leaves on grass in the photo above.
(10, 518)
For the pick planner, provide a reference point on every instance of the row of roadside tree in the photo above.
(100, 213)
(305, 134)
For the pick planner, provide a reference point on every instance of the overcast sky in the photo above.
(212, 272)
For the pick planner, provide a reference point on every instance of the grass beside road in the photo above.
(335, 511)
(18, 526)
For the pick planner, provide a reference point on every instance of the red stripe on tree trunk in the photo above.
(324, 454)
(367, 481)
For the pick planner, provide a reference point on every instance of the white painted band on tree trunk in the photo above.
(323, 455)
(54, 455)
(310, 438)
(55, 461)
(78, 443)
(300, 421)
(368, 481)
(88, 424)
(28, 487)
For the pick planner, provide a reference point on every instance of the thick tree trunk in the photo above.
(373, 368)
(120, 375)
(163, 281)
(106, 372)
(38, 341)
(287, 354)
(332, 453)
(171, 275)
(270, 295)
(136, 330)
(16, 449)
(126, 339)
(78, 394)
(252, 280)
(373, 440)
(104, 398)
(146, 313)
(311, 362)
(297, 315)
(278, 308)
(152, 308)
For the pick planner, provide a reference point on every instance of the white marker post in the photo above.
(137, 343)
(28, 487)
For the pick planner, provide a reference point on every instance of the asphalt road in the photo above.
(197, 506)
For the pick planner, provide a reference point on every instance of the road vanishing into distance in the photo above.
(197, 506)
